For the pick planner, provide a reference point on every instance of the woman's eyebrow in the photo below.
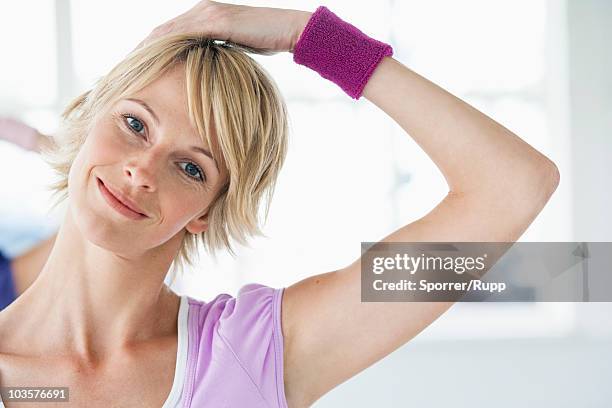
(147, 108)
(207, 153)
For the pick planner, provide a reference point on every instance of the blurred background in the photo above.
(541, 68)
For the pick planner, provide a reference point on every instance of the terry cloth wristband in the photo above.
(339, 51)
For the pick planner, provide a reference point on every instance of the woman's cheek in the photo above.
(109, 144)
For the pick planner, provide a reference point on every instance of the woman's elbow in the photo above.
(551, 176)
(532, 190)
(541, 188)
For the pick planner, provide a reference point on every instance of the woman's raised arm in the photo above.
(497, 186)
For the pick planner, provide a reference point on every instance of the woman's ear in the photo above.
(198, 224)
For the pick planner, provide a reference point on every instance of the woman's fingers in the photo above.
(265, 30)
(157, 32)
(194, 20)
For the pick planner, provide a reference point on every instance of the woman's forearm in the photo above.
(473, 152)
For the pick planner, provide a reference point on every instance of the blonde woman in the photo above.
(180, 142)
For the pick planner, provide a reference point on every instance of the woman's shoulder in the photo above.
(256, 307)
(251, 298)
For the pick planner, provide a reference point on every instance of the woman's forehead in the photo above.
(167, 92)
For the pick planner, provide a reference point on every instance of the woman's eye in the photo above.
(192, 170)
(135, 124)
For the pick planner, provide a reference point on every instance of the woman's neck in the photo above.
(88, 301)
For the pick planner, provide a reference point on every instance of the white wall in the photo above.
(590, 45)
(566, 373)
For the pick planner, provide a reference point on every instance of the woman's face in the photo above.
(146, 150)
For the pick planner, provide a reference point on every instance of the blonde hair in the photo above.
(224, 85)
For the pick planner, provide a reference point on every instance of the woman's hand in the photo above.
(265, 28)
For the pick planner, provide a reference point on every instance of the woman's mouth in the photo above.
(116, 204)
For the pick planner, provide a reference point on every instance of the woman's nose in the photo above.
(141, 172)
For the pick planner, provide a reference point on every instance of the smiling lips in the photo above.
(120, 203)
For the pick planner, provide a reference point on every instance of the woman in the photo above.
(112, 337)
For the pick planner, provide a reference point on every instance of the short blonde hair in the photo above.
(224, 84)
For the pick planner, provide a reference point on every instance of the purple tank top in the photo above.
(235, 350)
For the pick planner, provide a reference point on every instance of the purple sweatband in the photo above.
(339, 51)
